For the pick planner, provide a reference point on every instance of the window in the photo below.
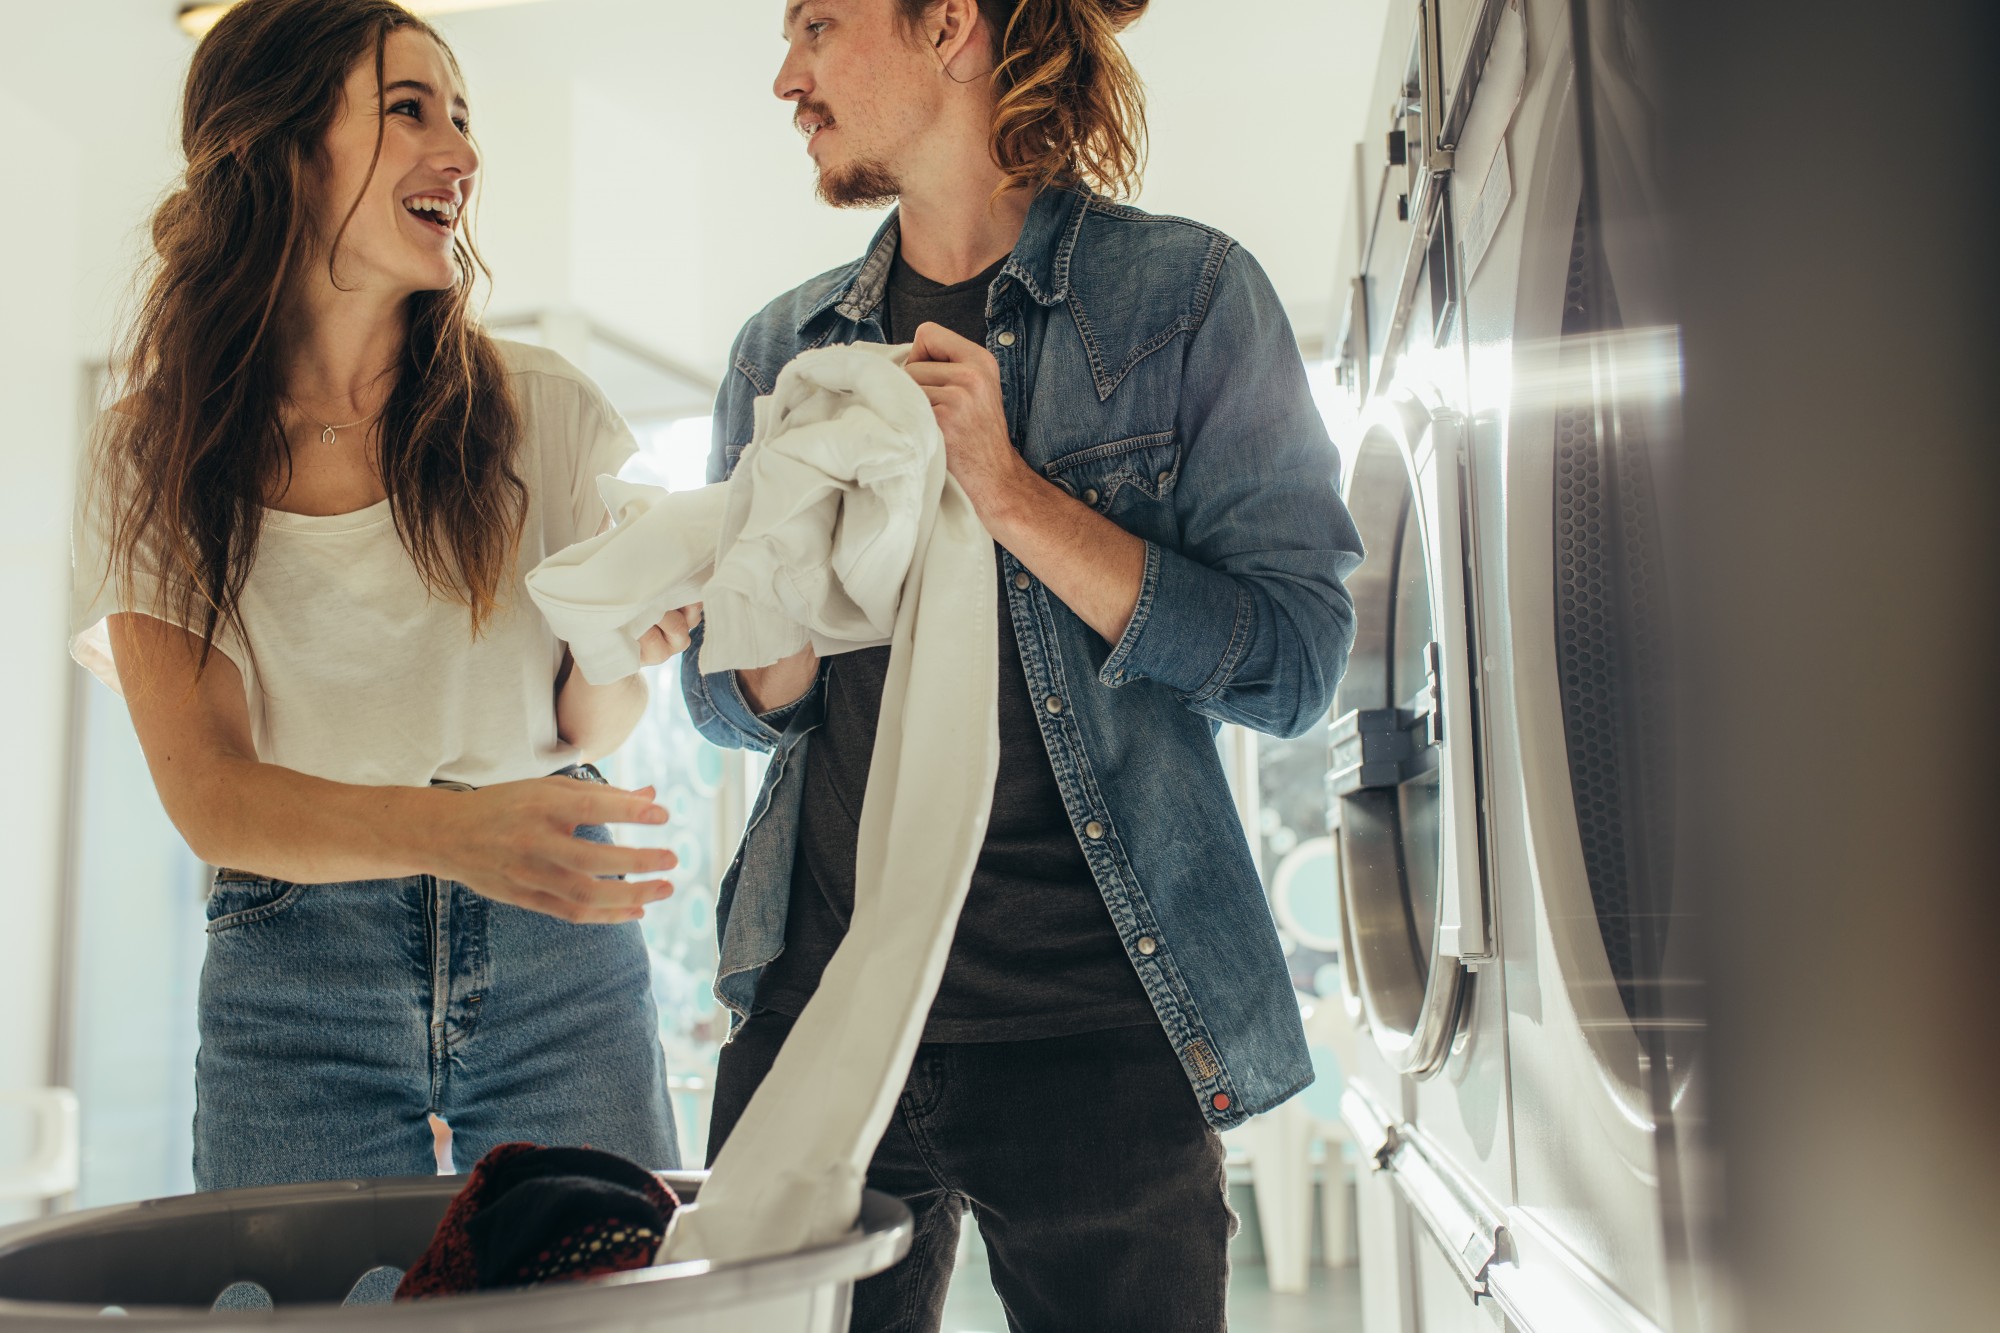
(707, 792)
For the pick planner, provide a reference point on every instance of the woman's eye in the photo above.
(464, 126)
(409, 108)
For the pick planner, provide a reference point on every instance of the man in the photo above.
(1123, 402)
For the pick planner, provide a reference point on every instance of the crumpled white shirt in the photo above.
(810, 541)
(840, 527)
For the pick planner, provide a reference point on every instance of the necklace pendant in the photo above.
(326, 435)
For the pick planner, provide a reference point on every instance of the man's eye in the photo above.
(817, 26)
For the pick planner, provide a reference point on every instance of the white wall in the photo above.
(638, 166)
(699, 193)
(39, 387)
(106, 75)
(1253, 107)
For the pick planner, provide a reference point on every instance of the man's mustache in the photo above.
(816, 111)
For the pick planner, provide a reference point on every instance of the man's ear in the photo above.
(954, 29)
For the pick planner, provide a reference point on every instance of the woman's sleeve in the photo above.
(98, 586)
(603, 444)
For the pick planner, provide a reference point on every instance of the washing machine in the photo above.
(1501, 776)
(1427, 1099)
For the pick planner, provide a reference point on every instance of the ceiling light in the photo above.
(197, 19)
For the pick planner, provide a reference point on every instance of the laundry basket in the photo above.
(161, 1265)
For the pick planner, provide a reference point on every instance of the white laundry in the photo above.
(840, 527)
(809, 541)
(600, 596)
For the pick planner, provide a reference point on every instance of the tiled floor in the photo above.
(1332, 1306)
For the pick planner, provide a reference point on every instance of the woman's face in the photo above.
(399, 240)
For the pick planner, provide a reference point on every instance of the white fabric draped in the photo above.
(840, 527)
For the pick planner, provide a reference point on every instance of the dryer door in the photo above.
(1403, 808)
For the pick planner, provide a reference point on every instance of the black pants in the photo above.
(1096, 1183)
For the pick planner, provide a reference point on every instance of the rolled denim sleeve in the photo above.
(715, 702)
(1249, 618)
(721, 713)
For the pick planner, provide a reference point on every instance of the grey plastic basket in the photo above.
(162, 1264)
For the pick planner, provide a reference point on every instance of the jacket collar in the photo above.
(1040, 262)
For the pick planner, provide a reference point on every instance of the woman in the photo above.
(300, 555)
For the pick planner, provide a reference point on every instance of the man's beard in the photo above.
(860, 185)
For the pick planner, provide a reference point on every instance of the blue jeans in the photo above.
(336, 1018)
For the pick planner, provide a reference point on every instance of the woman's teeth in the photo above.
(442, 212)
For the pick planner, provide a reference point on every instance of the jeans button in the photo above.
(1054, 704)
(1021, 581)
(1093, 829)
(1220, 1101)
(1090, 496)
(1006, 338)
(1146, 945)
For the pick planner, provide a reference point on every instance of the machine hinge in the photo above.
(1433, 709)
(1383, 747)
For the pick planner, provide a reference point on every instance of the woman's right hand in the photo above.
(515, 842)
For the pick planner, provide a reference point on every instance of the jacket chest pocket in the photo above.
(1130, 480)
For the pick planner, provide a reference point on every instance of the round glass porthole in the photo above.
(1391, 808)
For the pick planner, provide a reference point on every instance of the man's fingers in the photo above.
(940, 388)
(928, 343)
(935, 342)
(935, 373)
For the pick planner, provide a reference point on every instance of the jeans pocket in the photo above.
(243, 902)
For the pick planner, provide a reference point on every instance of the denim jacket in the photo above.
(1148, 370)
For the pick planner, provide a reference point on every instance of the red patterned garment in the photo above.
(530, 1214)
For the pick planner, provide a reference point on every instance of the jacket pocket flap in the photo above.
(1096, 473)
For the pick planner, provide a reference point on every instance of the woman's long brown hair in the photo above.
(196, 447)
(1072, 109)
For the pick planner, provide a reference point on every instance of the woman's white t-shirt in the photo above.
(352, 670)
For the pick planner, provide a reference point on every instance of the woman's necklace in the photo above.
(326, 430)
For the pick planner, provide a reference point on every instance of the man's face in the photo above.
(865, 92)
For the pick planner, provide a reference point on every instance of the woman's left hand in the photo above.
(670, 636)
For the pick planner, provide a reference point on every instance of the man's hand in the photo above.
(962, 380)
(670, 636)
(1093, 566)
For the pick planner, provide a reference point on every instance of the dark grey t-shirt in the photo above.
(1035, 955)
